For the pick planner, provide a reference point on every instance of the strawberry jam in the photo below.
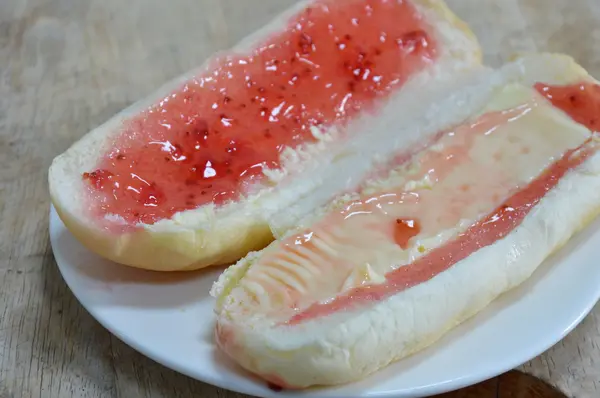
(405, 230)
(209, 141)
(581, 102)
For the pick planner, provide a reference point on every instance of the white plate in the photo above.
(169, 318)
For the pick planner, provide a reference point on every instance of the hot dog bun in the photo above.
(317, 308)
(209, 234)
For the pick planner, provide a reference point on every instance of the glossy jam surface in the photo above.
(209, 141)
(438, 194)
(495, 226)
(581, 102)
(463, 192)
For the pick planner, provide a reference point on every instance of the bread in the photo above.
(215, 235)
(325, 305)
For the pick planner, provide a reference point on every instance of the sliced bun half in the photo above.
(212, 234)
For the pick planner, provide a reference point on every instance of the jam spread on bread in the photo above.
(581, 102)
(495, 226)
(467, 190)
(210, 141)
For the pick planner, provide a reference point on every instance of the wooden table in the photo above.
(68, 65)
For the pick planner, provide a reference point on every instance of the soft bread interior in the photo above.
(210, 236)
(346, 346)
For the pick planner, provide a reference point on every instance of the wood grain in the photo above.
(68, 65)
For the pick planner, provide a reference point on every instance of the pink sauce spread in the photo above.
(209, 141)
(498, 224)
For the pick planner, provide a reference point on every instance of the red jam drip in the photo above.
(581, 102)
(209, 142)
(405, 230)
